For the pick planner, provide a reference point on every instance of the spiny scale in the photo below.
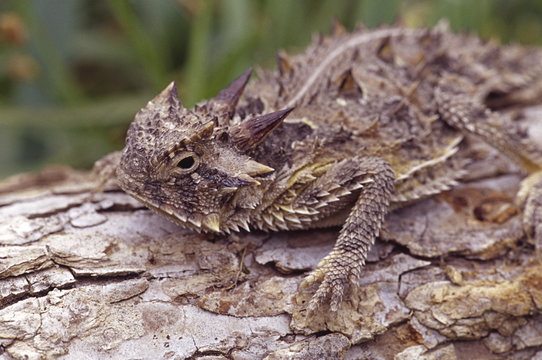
(358, 124)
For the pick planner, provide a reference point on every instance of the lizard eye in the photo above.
(187, 163)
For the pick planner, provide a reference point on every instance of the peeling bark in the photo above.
(93, 274)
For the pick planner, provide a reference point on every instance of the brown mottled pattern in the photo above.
(378, 118)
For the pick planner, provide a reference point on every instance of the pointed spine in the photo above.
(252, 132)
(284, 64)
(229, 97)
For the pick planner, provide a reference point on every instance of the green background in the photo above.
(74, 72)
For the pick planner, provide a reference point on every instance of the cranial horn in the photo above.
(253, 168)
(228, 97)
(168, 97)
(253, 131)
(204, 132)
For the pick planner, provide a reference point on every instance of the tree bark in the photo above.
(93, 274)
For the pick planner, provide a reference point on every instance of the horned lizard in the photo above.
(361, 123)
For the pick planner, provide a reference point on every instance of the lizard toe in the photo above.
(334, 284)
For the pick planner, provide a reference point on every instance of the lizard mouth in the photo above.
(200, 223)
(207, 223)
(172, 214)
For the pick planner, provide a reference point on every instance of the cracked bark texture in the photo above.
(87, 274)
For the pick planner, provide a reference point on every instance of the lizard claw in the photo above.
(334, 278)
(331, 290)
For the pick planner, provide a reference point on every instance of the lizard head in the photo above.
(192, 165)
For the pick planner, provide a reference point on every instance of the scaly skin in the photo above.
(359, 124)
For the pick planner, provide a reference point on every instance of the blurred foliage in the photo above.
(73, 73)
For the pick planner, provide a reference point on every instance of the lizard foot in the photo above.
(335, 275)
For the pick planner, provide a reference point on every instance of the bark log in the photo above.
(93, 274)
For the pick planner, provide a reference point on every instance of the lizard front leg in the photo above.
(342, 267)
